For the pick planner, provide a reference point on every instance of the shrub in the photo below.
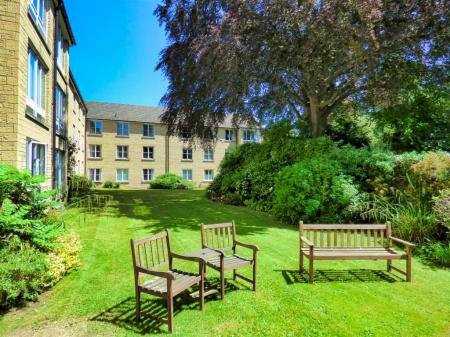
(313, 190)
(437, 254)
(23, 273)
(441, 207)
(64, 257)
(170, 181)
(78, 186)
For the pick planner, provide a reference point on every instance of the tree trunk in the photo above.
(317, 118)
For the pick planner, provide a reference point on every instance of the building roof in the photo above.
(65, 17)
(77, 91)
(132, 113)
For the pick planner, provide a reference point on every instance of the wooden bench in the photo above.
(351, 242)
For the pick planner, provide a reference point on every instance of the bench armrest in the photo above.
(162, 274)
(246, 245)
(305, 240)
(188, 258)
(403, 242)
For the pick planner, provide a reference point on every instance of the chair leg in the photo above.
(201, 291)
(222, 283)
(301, 262)
(311, 270)
(138, 305)
(389, 265)
(170, 313)
(254, 275)
(234, 274)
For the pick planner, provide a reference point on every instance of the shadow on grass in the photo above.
(123, 314)
(331, 275)
(180, 210)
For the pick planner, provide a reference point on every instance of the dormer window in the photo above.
(38, 11)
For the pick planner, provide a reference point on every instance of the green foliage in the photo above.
(78, 186)
(63, 257)
(111, 184)
(437, 254)
(23, 272)
(170, 181)
(419, 121)
(314, 191)
(441, 207)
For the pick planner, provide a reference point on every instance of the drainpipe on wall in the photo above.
(55, 27)
(167, 153)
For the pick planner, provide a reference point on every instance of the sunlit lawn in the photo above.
(350, 298)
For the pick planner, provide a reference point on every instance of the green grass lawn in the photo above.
(349, 298)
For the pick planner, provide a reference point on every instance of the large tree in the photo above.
(268, 59)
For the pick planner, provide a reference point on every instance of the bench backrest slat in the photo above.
(153, 252)
(219, 236)
(345, 236)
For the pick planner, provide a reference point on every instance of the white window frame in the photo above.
(253, 136)
(60, 111)
(208, 154)
(95, 149)
(229, 135)
(95, 130)
(186, 174)
(208, 175)
(95, 173)
(29, 154)
(146, 156)
(36, 83)
(187, 154)
(121, 152)
(186, 134)
(41, 22)
(122, 126)
(60, 50)
(59, 165)
(122, 170)
(149, 127)
(150, 174)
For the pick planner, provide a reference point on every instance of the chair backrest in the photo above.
(153, 252)
(221, 236)
(346, 236)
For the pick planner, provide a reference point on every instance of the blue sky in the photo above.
(118, 45)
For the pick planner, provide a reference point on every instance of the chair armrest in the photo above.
(246, 245)
(308, 243)
(163, 274)
(403, 242)
(188, 258)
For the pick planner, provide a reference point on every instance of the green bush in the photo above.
(170, 181)
(437, 254)
(23, 272)
(314, 191)
(441, 208)
(78, 186)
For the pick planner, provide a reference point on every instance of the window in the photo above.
(122, 152)
(95, 174)
(148, 130)
(95, 151)
(187, 174)
(229, 135)
(36, 158)
(187, 154)
(209, 175)
(122, 175)
(147, 174)
(95, 127)
(250, 136)
(208, 155)
(60, 48)
(122, 129)
(186, 134)
(59, 169)
(60, 112)
(35, 86)
(38, 11)
(147, 152)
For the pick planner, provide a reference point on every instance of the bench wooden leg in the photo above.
(254, 275)
(389, 266)
(311, 270)
(222, 283)
(409, 268)
(234, 274)
(170, 313)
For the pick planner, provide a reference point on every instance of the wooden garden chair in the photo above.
(222, 238)
(151, 256)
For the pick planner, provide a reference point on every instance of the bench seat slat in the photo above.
(354, 254)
